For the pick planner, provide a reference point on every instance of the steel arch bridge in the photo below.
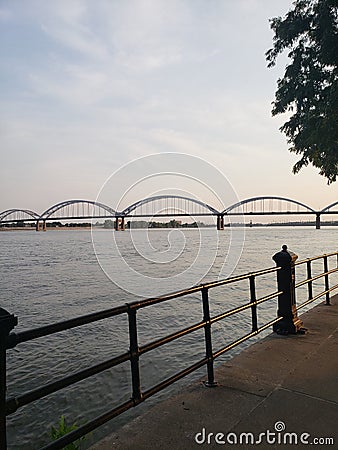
(262, 206)
(172, 204)
(327, 209)
(84, 210)
(18, 215)
(76, 209)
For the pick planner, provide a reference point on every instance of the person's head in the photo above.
(284, 248)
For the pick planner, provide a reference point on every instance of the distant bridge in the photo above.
(164, 206)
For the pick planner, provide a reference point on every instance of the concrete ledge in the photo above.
(291, 379)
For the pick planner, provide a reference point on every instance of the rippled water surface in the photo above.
(53, 276)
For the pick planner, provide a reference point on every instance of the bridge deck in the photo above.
(290, 379)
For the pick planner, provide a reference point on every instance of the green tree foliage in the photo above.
(108, 224)
(308, 90)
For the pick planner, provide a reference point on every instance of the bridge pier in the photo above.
(220, 222)
(119, 224)
(317, 221)
(40, 227)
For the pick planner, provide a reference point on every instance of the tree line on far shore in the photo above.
(143, 224)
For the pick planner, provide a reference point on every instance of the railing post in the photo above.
(7, 323)
(134, 357)
(253, 300)
(287, 299)
(207, 333)
(327, 285)
(309, 276)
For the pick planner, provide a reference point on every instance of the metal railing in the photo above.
(310, 279)
(9, 340)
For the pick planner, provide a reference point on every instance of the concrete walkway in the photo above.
(280, 382)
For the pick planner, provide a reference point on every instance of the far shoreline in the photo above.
(88, 228)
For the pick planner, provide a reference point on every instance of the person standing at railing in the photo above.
(284, 257)
(293, 255)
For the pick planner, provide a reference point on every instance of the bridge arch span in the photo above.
(254, 199)
(329, 207)
(144, 201)
(17, 211)
(53, 209)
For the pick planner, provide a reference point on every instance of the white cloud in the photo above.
(65, 22)
(76, 38)
(145, 34)
(70, 84)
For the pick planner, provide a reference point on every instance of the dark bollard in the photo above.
(7, 323)
(290, 324)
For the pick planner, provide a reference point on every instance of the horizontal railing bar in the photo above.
(244, 307)
(240, 277)
(316, 277)
(24, 336)
(267, 297)
(245, 338)
(306, 281)
(159, 387)
(233, 344)
(316, 297)
(13, 404)
(269, 324)
(171, 337)
(88, 427)
(154, 300)
(230, 313)
(314, 258)
(172, 295)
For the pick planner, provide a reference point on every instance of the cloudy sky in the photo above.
(88, 86)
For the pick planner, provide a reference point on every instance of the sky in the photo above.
(89, 86)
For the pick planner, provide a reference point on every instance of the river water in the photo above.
(53, 276)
